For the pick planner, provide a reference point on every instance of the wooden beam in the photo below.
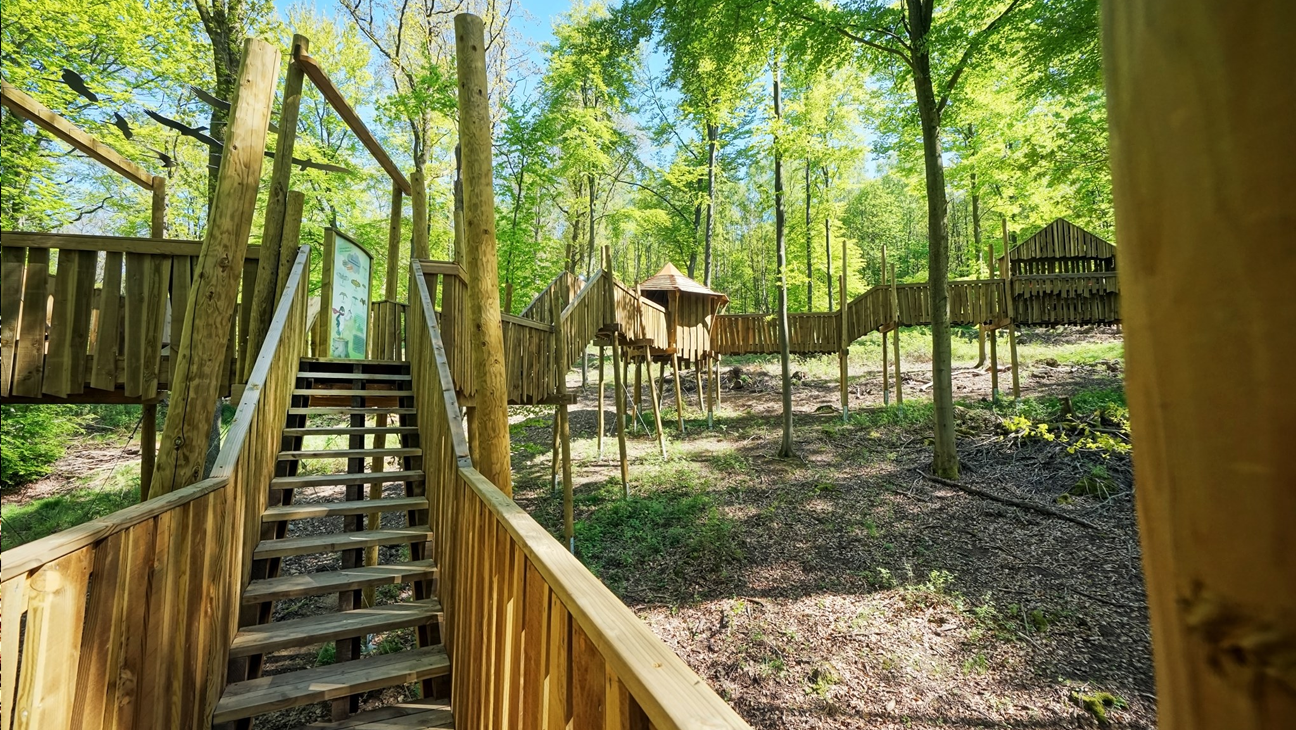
(339, 103)
(445, 268)
(1203, 134)
(491, 437)
(42, 116)
(111, 244)
(202, 351)
(264, 292)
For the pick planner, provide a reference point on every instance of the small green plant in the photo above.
(976, 664)
(32, 438)
(821, 680)
(885, 579)
(326, 655)
(1098, 704)
(730, 462)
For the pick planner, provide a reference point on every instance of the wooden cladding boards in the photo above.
(1062, 239)
(81, 323)
(127, 620)
(536, 640)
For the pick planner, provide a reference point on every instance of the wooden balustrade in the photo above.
(536, 640)
(93, 318)
(386, 339)
(565, 286)
(128, 619)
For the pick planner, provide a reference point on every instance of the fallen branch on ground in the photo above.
(1009, 500)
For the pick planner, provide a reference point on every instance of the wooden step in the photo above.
(349, 361)
(345, 454)
(351, 393)
(313, 375)
(349, 430)
(412, 715)
(282, 691)
(333, 480)
(350, 411)
(313, 630)
(338, 541)
(311, 510)
(336, 581)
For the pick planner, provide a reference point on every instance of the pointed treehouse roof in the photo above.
(672, 279)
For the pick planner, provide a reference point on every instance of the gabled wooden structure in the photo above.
(691, 309)
(1062, 247)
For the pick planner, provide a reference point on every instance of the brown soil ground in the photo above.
(848, 591)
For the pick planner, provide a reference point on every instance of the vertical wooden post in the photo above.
(843, 355)
(263, 296)
(601, 426)
(994, 365)
(656, 406)
(484, 322)
(220, 264)
(1012, 317)
(679, 391)
(1203, 134)
(609, 319)
(394, 221)
(895, 336)
(561, 363)
(288, 242)
(717, 374)
(148, 414)
(638, 391)
(419, 216)
(326, 294)
(886, 366)
(697, 376)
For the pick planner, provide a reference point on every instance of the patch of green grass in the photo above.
(667, 534)
(326, 655)
(919, 412)
(976, 664)
(730, 461)
(821, 680)
(101, 495)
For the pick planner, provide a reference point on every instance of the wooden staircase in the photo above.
(329, 542)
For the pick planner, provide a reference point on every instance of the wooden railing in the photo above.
(127, 620)
(640, 318)
(536, 640)
(72, 335)
(808, 332)
(564, 287)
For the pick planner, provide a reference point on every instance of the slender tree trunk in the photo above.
(828, 244)
(976, 238)
(589, 258)
(780, 246)
(945, 460)
(713, 133)
(697, 226)
(809, 272)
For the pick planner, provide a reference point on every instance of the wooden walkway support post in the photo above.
(994, 365)
(843, 356)
(1012, 317)
(609, 321)
(562, 363)
(1203, 134)
(601, 426)
(148, 413)
(491, 437)
(679, 391)
(656, 404)
(263, 297)
(201, 356)
(886, 365)
(895, 337)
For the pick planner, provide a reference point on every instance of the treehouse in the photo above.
(690, 310)
(1063, 274)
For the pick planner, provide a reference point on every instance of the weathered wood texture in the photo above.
(536, 639)
(1202, 108)
(127, 620)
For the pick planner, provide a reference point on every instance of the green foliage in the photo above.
(100, 494)
(1098, 704)
(667, 533)
(32, 438)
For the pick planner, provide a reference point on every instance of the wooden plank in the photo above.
(99, 645)
(349, 430)
(11, 286)
(181, 278)
(318, 584)
(42, 116)
(309, 510)
(329, 480)
(588, 682)
(339, 541)
(52, 642)
(357, 126)
(313, 630)
(103, 370)
(559, 650)
(130, 631)
(13, 602)
(282, 691)
(58, 359)
(134, 303)
(157, 278)
(378, 453)
(110, 244)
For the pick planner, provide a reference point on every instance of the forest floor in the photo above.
(843, 589)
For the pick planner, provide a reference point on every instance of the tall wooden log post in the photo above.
(419, 215)
(206, 330)
(562, 362)
(1202, 109)
(485, 328)
(288, 241)
(1006, 268)
(618, 384)
(263, 297)
(148, 413)
(601, 426)
(844, 355)
(656, 403)
(886, 366)
(895, 336)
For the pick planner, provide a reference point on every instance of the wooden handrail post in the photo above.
(491, 440)
(267, 277)
(220, 265)
(1203, 134)
(1006, 268)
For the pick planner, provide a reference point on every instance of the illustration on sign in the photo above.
(349, 323)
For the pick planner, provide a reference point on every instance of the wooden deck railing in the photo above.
(74, 335)
(127, 620)
(536, 640)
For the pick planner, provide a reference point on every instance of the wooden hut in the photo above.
(1062, 247)
(690, 309)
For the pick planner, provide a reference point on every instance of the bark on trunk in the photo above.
(809, 272)
(780, 245)
(828, 245)
(713, 134)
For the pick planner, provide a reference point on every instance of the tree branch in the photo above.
(967, 56)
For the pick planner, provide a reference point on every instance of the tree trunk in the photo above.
(828, 245)
(809, 272)
(976, 238)
(713, 133)
(589, 251)
(945, 459)
(780, 246)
